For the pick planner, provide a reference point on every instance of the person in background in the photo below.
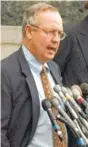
(72, 56)
(24, 123)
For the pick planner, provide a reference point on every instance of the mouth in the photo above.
(54, 49)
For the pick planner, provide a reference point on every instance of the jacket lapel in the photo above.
(32, 89)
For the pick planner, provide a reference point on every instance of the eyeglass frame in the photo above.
(51, 31)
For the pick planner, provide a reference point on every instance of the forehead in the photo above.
(50, 19)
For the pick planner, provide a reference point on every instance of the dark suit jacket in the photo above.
(73, 55)
(20, 101)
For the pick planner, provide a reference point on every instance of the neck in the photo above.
(27, 45)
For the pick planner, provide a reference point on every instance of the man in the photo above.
(73, 57)
(24, 122)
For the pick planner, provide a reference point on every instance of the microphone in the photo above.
(76, 93)
(74, 126)
(81, 142)
(55, 103)
(84, 88)
(75, 115)
(46, 104)
(69, 92)
(83, 121)
(57, 89)
(73, 102)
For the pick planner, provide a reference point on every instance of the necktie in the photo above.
(49, 94)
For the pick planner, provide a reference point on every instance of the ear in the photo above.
(28, 31)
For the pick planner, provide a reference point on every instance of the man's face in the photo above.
(44, 40)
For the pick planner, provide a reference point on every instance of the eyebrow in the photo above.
(53, 29)
(49, 29)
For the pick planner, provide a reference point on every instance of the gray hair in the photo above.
(29, 16)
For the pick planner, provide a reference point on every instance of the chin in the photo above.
(50, 58)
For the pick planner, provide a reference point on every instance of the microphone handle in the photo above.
(54, 124)
(85, 104)
(71, 110)
(64, 114)
(62, 119)
(81, 133)
(81, 142)
(77, 107)
(87, 98)
(86, 111)
(83, 121)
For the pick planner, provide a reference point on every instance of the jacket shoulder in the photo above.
(10, 61)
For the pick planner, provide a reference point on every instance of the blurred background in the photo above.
(11, 19)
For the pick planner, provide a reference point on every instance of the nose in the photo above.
(56, 38)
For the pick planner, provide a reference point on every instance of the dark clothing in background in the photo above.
(72, 56)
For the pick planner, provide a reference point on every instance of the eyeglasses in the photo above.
(51, 33)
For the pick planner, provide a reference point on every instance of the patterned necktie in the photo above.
(49, 94)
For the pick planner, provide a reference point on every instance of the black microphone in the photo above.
(46, 104)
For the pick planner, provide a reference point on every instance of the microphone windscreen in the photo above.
(57, 88)
(46, 104)
(84, 87)
(70, 92)
(78, 88)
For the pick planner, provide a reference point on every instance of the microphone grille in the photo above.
(46, 104)
(78, 88)
(84, 87)
(57, 88)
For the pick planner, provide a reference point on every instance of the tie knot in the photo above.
(43, 69)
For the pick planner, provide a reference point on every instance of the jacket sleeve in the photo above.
(5, 108)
